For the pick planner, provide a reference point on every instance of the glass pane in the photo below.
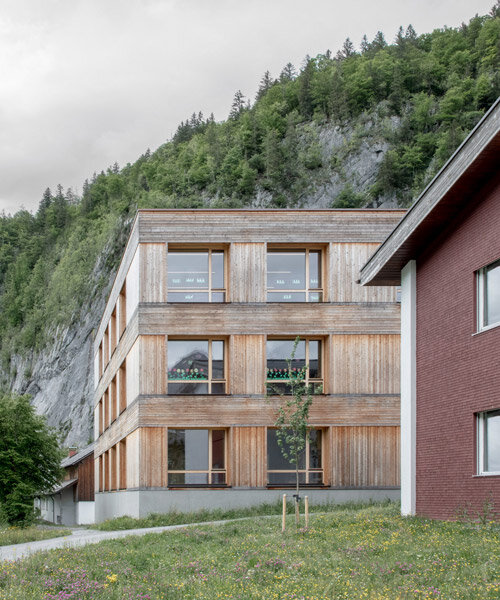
(218, 438)
(286, 270)
(187, 449)
(315, 437)
(278, 351)
(492, 295)
(492, 442)
(314, 269)
(278, 387)
(275, 458)
(187, 359)
(187, 387)
(315, 297)
(217, 269)
(316, 477)
(176, 449)
(314, 359)
(188, 297)
(218, 478)
(187, 479)
(187, 270)
(285, 478)
(286, 296)
(218, 388)
(218, 297)
(217, 359)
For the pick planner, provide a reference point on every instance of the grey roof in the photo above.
(78, 457)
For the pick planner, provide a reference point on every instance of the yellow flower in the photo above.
(112, 578)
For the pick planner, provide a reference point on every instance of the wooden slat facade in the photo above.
(358, 329)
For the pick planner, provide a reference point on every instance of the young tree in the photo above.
(293, 415)
(29, 458)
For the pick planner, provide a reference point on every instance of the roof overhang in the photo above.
(473, 163)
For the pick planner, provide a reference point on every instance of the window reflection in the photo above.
(196, 276)
(196, 367)
(196, 457)
(282, 471)
(294, 276)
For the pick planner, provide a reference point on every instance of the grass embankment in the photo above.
(202, 516)
(348, 554)
(20, 535)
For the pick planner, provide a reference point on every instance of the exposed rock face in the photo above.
(61, 379)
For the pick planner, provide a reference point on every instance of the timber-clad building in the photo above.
(190, 358)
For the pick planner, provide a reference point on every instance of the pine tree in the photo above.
(265, 83)
(237, 106)
(288, 73)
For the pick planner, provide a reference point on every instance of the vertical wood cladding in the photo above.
(365, 364)
(86, 471)
(247, 364)
(247, 272)
(346, 261)
(153, 457)
(248, 456)
(152, 367)
(153, 273)
(365, 456)
(133, 456)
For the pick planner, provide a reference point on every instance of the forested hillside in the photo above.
(363, 126)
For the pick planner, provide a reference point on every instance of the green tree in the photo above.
(29, 458)
(292, 421)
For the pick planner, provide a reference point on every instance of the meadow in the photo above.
(370, 552)
(20, 535)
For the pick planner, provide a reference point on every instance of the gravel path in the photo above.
(82, 537)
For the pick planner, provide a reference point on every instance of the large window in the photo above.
(196, 367)
(281, 471)
(294, 276)
(196, 457)
(307, 355)
(488, 451)
(196, 276)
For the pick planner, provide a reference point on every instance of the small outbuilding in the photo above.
(72, 501)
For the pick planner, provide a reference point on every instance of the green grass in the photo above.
(20, 535)
(346, 554)
(202, 516)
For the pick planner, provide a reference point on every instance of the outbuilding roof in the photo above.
(78, 457)
(475, 161)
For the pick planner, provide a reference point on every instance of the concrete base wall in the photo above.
(141, 503)
(85, 513)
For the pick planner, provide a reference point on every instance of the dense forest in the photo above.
(420, 95)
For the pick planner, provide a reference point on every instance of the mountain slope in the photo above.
(356, 129)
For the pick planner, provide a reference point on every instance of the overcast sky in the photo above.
(85, 83)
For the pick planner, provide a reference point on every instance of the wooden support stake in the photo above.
(306, 507)
(297, 512)
(283, 521)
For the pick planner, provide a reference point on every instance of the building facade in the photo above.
(446, 254)
(190, 359)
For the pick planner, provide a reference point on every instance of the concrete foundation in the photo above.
(140, 503)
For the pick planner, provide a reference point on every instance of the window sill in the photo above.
(201, 486)
(303, 486)
(480, 475)
(487, 328)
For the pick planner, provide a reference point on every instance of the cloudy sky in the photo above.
(85, 83)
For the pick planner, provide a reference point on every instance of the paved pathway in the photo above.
(82, 537)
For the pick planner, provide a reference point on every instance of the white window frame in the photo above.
(481, 441)
(481, 297)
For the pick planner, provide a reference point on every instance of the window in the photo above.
(307, 354)
(294, 276)
(488, 436)
(488, 288)
(196, 276)
(196, 367)
(280, 471)
(196, 457)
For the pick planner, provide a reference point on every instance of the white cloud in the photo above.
(90, 82)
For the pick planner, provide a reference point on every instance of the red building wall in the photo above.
(458, 373)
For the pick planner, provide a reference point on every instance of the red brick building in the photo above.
(446, 254)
